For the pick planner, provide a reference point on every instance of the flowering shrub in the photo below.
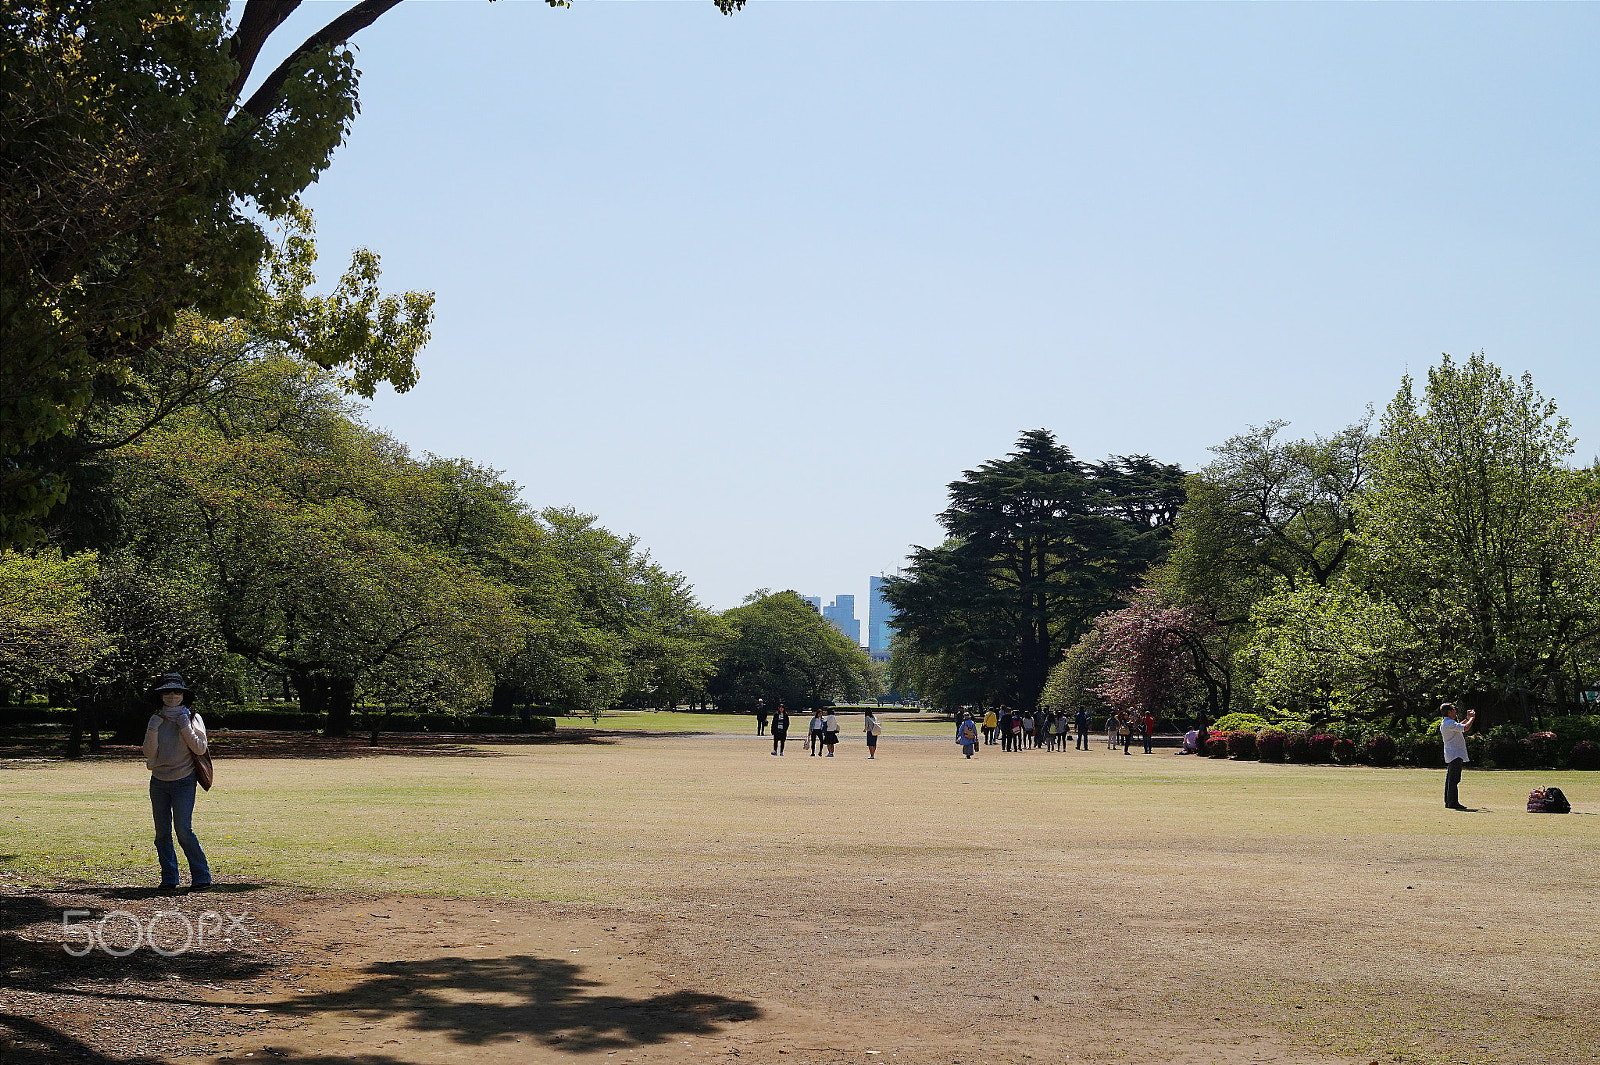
(1297, 748)
(1242, 745)
(1505, 752)
(1217, 746)
(1585, 754)
(1320, 747)
(1269, 745)
(1379, 749)
(1545, 748)
(1344, 751)
(1427, 751)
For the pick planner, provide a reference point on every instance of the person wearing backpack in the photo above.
(1454, 732)
(967, 735)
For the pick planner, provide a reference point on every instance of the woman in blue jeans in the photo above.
(172, 739)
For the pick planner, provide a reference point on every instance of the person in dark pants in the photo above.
(761, 717)
(814, 733)
(780, 729)
(1149, 729)
(1454, 731)
(1081, 720)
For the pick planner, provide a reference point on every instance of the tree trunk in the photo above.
(341, 701)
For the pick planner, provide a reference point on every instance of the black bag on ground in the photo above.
(1555, 802)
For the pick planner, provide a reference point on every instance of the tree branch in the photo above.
(261, 18)
(265, 99)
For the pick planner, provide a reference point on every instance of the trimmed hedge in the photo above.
(296, 721)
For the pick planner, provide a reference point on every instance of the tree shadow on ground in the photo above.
(477, 1001)
(37, 1043)
(34, 942)
(38, 970)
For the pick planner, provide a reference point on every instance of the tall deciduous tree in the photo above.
(783, 651)
(1039, 544)
(1478, 533)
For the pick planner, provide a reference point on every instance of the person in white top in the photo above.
(830, 732)
(172, 739)
(1453, 729)
(873, 730)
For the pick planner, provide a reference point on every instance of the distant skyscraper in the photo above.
(842, 615)
(880, 618)
(815, 601)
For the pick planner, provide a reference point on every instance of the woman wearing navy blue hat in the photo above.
(172, 739)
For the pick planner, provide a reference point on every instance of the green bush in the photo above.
(1241, 722)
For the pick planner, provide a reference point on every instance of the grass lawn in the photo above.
(1341, 907)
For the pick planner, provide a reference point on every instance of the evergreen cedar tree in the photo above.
(1039, 545)
(132, 182)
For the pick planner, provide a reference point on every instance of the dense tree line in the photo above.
(263, 535)
(1039, 544)
(1449, 553)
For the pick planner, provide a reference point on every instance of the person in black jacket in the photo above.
(780, 729)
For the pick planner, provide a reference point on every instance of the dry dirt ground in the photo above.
(693, 899)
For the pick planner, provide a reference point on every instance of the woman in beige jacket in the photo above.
(172, 739)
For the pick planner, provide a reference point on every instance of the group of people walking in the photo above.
(1016, 730)
(822, 731)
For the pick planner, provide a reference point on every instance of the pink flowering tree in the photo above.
(1152, 653)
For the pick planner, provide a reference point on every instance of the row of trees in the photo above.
(262, 537)
(182, 481)
(1451, 552)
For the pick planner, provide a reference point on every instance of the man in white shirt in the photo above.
(1454, 731)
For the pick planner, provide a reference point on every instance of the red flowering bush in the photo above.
(1320, 747)
(1344, 751)
(1297, 748)
(1269, 745)
(1217, 745)
(1545, 748)
(1507, 752)
(1585, 754)
(1379, 750)
(1427, 751)
(1242, 745)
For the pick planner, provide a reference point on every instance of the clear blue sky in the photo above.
(755, 289)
